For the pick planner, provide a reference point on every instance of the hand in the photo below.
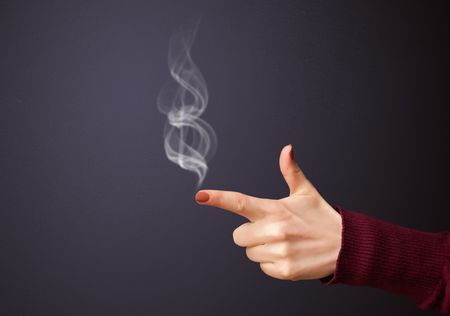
(294, 238)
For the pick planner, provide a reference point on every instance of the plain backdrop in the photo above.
(94, 220)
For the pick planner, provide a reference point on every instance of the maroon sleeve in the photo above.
(397, 259)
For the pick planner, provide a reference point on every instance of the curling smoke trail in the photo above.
(189, 141)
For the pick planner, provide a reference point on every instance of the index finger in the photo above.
(245, 205)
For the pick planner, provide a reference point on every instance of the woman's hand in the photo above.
(294, 238)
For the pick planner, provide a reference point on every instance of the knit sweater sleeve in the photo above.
(397, 259)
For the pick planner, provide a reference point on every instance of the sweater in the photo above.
(393, 258)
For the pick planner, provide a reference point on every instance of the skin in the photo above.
(294, 238)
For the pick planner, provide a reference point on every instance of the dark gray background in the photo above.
(94, 220)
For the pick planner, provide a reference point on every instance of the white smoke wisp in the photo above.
(189, 141)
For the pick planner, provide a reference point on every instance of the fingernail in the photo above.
(291, 153)
(202, 197)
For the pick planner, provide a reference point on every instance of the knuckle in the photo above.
(241, 202)
(284, 250)
(278, 232)
(286, 270)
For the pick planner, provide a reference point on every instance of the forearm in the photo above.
(394, 258)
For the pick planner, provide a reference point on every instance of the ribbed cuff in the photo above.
(391, 257)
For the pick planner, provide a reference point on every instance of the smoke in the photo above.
(189, 141)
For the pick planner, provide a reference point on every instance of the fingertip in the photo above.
(287, 151)
(291, 153)
(285, 155)
(287, 147)
(202, 197)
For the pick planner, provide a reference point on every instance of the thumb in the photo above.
(292, 173)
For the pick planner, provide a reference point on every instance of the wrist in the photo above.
(334, 243)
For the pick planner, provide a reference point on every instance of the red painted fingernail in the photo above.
(202, 197)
